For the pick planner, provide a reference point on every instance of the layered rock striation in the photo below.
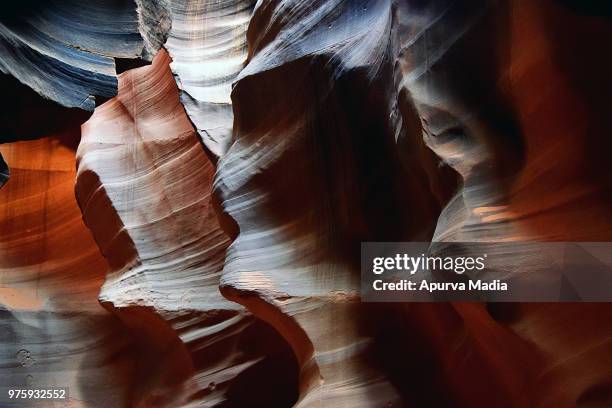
(65, 50)
(208, 46)
(211, 256)
(307, 179)
(143, 185)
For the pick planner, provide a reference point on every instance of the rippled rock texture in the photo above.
(208, 46)
(53, 329)
(195, 241)
(144, 187)
(65, 49)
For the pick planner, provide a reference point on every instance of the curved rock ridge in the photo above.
(41, 227)
(208, 46)
(4, 172)
(143, 185)
(522, 138)
(64, 50)
(140, 165)
(413, 66)
(308, 178)
(521, 155)
(349, 121)
(54, 332)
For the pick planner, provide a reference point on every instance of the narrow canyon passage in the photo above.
(186, 186)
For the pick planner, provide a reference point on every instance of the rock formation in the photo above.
(520, 138)
(294, 262)
(196, 242)
(143, 185)
(54, 332)
(65, 50)
(4, 172)
(207, 43)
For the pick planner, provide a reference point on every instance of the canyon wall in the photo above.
(185, 186)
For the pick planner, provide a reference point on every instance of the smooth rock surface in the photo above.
(54, 332)
(208, 46)
(227, 188)
(64, 49)
(307, 179)
(143, 185)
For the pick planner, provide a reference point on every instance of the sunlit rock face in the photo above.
(143, 185)
(140, 163)
(53, 329)
(208, 46)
